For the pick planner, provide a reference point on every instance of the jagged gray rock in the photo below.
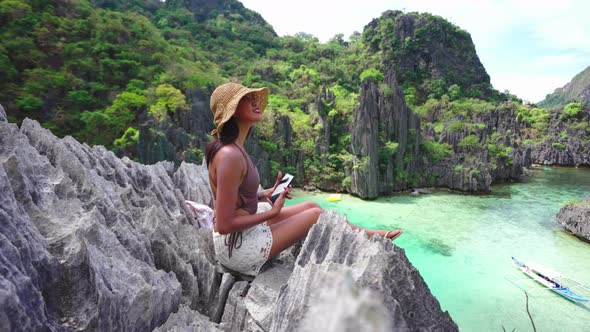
(373, 264)
(264, 290)
(227, 282)
(382, 118)
(235, 313)
(193, 182)
(477, 172)
(89, 241)
(2, 113)
(575, 217)
(566, 142)
(187, 320)
(364, 137)
(106, 242)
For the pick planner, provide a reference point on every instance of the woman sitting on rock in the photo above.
(244, 239)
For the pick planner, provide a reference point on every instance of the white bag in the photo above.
(202, 214)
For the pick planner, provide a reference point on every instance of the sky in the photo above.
(529, 48)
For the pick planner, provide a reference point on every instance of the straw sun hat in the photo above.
(225, 99)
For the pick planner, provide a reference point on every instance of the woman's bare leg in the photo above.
(289, 211)
(294, 222)
(370, 232)
(292, 229)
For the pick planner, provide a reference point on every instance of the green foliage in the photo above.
(456, 127)
(454, 92)
(558, 145)
(372, 73)
(14, 9)
(410, 96)
(129, 138)
(438, 151)
(470, 106)
(571, 111)
(165, 100)
(501, 153)
(572, 202)
(406, 54)
(94, 67)
(29, 102)
(563, 134)
(80, 99)
(470, 143)
(576, 202)
(305, 75)
(267, 146)
(391, 148)
(346, 183)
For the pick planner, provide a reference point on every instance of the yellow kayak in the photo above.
(334, 197)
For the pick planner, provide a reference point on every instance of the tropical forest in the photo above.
(106, 209)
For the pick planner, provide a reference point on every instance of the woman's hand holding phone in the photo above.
(280, 201)
(281, 186)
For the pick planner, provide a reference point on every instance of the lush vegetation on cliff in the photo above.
(578, 90)
(98, 70)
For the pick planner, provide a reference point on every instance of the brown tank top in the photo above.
(248, 190)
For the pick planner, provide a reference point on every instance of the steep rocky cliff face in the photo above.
(575, 217)
(567, 142)
(180, 136)
(96, 243)
(428, 53)
(389, 151)
(577, 90)
(474, 168)
(385, 139)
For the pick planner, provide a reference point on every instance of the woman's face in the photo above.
(248, 109)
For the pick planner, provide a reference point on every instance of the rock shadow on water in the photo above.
(437, 246)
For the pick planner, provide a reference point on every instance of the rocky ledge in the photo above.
(91, 242)
(575, 217)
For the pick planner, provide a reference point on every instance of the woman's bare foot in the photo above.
(392, 235)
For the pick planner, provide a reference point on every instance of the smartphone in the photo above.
(285, 182)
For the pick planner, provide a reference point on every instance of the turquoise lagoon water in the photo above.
(462, 245)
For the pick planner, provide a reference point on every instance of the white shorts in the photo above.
(253, 249)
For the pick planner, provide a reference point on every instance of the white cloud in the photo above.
(523, 44)
(532, 87)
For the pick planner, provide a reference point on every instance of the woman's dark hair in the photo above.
(228, 135)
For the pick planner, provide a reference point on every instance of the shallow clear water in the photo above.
(462, 245)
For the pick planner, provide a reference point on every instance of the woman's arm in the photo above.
(230, 166)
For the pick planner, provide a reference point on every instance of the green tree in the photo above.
(165, 100)
(571, 111)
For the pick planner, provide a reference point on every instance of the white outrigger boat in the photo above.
(553, 281)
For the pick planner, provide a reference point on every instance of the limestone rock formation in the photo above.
(575, 217)
(477, 172)
(566, 142)
(187, 320)
(92, 242)
(426, 50)
(180, 136)
(383, 118)
(371, 273)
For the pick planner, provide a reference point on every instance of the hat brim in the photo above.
(232, 106)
